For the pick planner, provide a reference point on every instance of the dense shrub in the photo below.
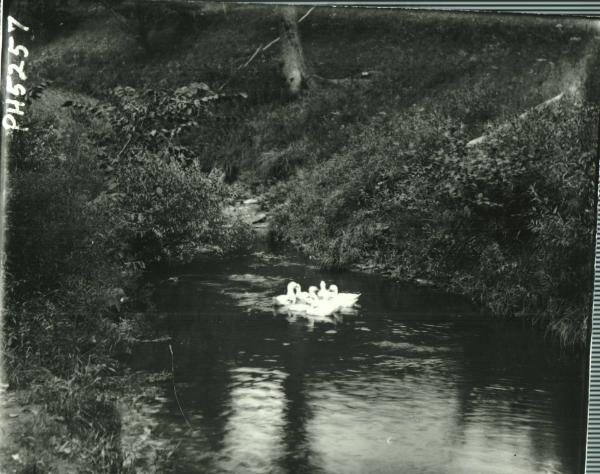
(509, 222)
(527, 196)
(367, 195)
(78, 195)
(61, 318)
(60, 278)
(86, 214)
(162, 210)
(53, 178)
(160, 198)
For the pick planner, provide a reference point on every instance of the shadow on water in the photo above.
(417, 382)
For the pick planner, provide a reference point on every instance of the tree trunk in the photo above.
(294, 69)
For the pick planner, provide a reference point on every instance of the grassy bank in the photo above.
(480, 69)
(509, 223)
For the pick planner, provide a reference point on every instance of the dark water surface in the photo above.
(417, 382)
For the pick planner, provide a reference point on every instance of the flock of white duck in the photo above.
(320, 302)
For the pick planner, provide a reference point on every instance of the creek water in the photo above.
(417, 382)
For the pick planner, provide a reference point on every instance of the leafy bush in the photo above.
(83, 221)
(62, 320)
(86, 214)
(161, 210)
(61, 281)
(374, 191)
(50, 226)
(527, 196)
(509, 222)
(160, 200)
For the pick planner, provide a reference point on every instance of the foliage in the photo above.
(86, 215)
(53, 177)
(64, 295)
(159, 199)
(374, 171)
(154, 118)
(483, 67)
(162, 211)
(509, 222)
(528, 196)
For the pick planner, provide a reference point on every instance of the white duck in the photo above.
(303, 300)
(289, 297)
(344, 300)
(306, 297)
(323, 305)
(323, 293)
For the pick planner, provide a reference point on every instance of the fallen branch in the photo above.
(524, 115)
(260, 49)
(125, 146)
(306, 14)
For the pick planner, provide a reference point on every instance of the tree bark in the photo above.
(294, 68)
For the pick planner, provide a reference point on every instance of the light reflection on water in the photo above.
(416, 382)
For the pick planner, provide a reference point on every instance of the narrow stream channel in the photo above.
(416, 382)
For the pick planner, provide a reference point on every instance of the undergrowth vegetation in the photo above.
(508, 222)
(63, 294)
(87, 214)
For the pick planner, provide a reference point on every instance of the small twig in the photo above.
(175, 389)
(523, 116)
(260, 49)
(174, 449)
(124, 146)
(276, 40)
(306, 14)
(251, 57)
